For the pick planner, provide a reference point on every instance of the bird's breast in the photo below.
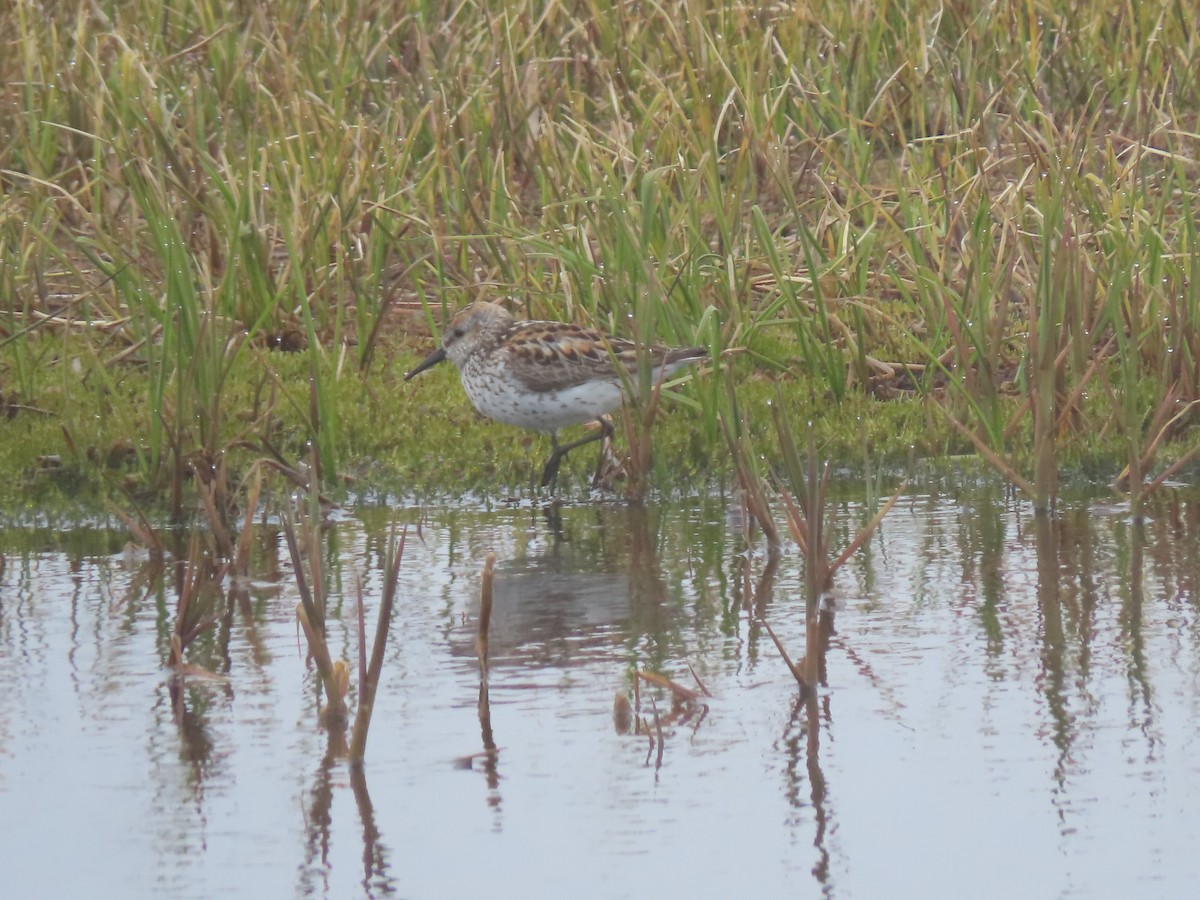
(498, 396)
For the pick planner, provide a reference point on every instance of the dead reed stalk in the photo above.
(369, 673)
(311, 610)
(487, 582)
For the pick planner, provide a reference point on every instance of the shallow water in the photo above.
(1009, 707)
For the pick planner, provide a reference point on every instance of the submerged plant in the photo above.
(369, 672)
(304, 545)
(805, 497)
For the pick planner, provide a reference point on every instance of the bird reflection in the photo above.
(584, 590)
(586, 582)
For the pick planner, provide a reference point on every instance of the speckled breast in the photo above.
(499, 397)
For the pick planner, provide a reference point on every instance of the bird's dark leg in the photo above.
(550, 472)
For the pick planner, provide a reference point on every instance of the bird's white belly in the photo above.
(505, 401)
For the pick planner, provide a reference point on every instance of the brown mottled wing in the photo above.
(556, 355)
(549, 356)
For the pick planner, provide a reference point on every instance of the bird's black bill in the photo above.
(431, 360)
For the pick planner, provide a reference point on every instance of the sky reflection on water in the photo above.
(1009, 706)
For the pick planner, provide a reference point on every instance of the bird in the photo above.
(545, 375)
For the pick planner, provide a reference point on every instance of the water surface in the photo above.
(1009, 707)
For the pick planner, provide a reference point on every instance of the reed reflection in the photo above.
(491, 753)
(1052, 676)
(1142, 708)
(982, 537)
(1172, 531)
(197, 651)
(1069, 603)
(376, 877)
(801, 740)
(811, 710)
(319, 825)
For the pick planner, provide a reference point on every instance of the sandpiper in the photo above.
(544, 375)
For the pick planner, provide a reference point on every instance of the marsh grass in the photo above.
(751, 480)
(804, 499)
(990, 209)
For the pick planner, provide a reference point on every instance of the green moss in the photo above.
(86, 443)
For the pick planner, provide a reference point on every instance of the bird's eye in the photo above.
(459, 332)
